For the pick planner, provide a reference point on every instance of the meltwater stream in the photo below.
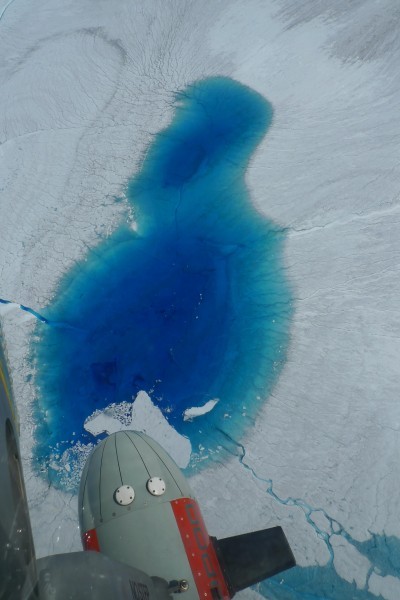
(191, 305)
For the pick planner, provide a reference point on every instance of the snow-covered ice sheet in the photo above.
(84, 87)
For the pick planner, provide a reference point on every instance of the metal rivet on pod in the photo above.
(156, 486)
(124, 495)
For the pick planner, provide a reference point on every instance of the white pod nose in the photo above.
(126, 491)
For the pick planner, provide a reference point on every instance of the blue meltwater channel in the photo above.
(192, 304)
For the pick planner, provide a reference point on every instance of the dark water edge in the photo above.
(193, 305)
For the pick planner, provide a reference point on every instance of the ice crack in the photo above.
(5, 8)
(335, 528)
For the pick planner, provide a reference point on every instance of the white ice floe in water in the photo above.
(197, 411)
(145, 417)
(83, 90)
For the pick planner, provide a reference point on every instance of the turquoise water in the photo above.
(323, 583)
(194, 305)
(312, 583)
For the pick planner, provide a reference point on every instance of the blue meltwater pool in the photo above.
(192, 304)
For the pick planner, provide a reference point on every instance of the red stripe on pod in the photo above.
(90, 541)
(200, 551)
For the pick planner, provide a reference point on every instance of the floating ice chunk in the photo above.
(197, 411)
(148, 418)
(115, 417)
(104, 423)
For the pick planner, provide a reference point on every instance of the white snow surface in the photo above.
(84, 88)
